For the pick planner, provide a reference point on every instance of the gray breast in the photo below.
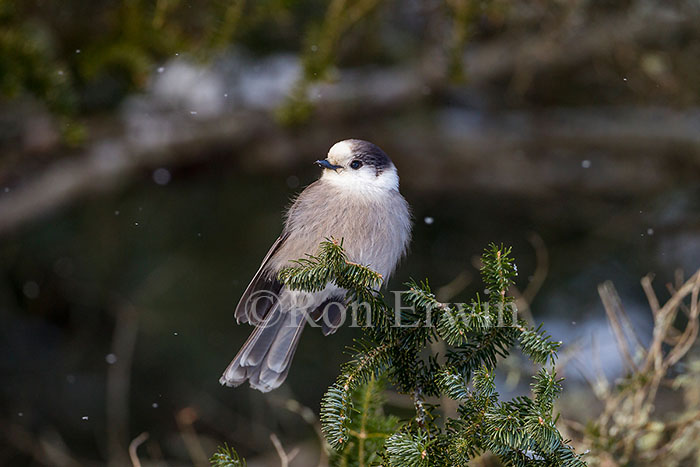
(375, 229)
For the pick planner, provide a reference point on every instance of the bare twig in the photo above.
(664, 320)
(119, 380)
(133, 446)
(626, 419)
(651, 295)
(41, 451)
(450, 290)
(593, 384)
(309, 417)
(601, 380)
(687, 339)
(671, 290)
(285, 458)
(524, 299)
(612, 305)
(541, 268)
(185, 421)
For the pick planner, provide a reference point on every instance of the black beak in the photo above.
(327, 165)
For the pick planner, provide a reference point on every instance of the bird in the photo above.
(356, 199)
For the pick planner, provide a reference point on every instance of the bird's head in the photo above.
(358, 164)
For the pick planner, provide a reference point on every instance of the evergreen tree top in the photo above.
(520, 432)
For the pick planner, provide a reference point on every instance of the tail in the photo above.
(266, 356)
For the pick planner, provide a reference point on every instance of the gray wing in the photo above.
(262, 292)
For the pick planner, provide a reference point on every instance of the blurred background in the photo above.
(149, 147)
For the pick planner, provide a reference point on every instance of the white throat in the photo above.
(363, 181)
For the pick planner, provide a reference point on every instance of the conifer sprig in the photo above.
(331, 264)
(226, 456)
(369, 428)
(521, 431)
(337, 404)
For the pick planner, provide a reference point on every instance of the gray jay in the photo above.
(357, 199)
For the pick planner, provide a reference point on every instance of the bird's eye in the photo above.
(356, 164)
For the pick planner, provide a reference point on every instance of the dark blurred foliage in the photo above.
(81, 56)
(101, 50)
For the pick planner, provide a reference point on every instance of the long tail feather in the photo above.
(266, 356)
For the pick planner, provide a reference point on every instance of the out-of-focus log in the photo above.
(606, 151)
(579, 41)
(601, 151)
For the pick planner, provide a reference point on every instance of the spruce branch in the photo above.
(309, 274)
(498, 270)
(537, 345)
(420, 296)
(337, 404)
(226, 456)
(476, 336)
(482, 350)
(331, 264)
(408, 450)
(456, 324)
(546, 387)
(370, 428)
(453, 385)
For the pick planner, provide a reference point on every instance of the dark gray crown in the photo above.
(370, 154)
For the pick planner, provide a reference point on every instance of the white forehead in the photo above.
(341, 150)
